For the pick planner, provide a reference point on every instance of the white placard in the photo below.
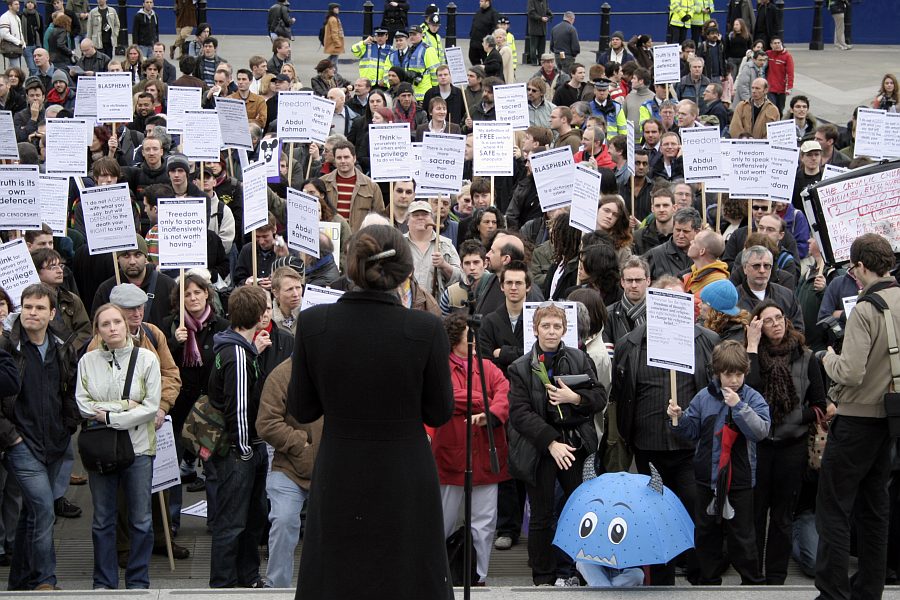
(457, 64)
(585, 198)
(721, 185)
(178, 100)
(314, 295)
(702, 157)
(182, 233)
(892, 135)
(319, 118)
(554, 176)
(292, 109)
(333, 231)
(442, 171)
(86, 98)
(782, 134)
(670, 330)
(202, 138)
(667, 63)
(869, 140)
(270, 153)
(66, 154)
(782, 173)
(570, 337)
(256, 198)
(629, 145)
(849, 303)
(54, 200)
(830, 171)
(108, 218)
(166, 473)
(492, 144)
(511, 105)
(233, 124)
(19, 190)
(17, 270)
(197, 509)
(415, 157)
(389, 150)
(303, 222)
(749, 177)
(114, 99)
(9, 149)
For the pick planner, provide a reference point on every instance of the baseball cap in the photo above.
(810, 146)
(420, 205)
(282, 77)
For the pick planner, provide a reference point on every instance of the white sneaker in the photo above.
(570, 582)
(504, 542)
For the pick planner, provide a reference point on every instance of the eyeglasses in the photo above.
(850, 270)
(533, 90)
(56, 267)
(760, 266)
(763, 208)
(768, 322)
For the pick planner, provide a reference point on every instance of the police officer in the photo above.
(373, 54)
(420, 63)
(431, 37)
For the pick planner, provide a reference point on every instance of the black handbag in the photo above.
(10, 50)
(103, 449)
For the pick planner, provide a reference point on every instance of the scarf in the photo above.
(192, 356)
(268, 329)
(775, 364)
(402, 116)
(637, 313)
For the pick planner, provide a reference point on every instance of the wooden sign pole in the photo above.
(719, 208)
(116, 267)
(673, 390)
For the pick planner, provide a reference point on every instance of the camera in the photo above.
(833, 330)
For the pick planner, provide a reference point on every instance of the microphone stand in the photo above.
(474, 323)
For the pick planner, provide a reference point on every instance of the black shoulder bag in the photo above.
(103, 449)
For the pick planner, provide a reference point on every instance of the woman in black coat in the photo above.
(395, 17)
(375, 493)
(493, 62)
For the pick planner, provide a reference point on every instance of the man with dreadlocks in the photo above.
(565, 241)
(727, 419)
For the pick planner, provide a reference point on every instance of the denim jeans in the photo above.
(806, 540)
(286, 499)
(34, 559)
(10, 509)
(240, 518)
(29, 59)
(136, 481)
(61, 483)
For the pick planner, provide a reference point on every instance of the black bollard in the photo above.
(848, 24)
(368, 7)
(451, 25)
(815, 42)
(122, 41)
(604, 27)
(201, 11)
(779, 19)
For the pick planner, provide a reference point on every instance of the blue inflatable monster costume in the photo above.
(617, 522)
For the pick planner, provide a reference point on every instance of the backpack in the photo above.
(322, 36)
(205, 429)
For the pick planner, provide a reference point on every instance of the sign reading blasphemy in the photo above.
(114, 99)
(492, 145)
(441, 167)
(16, 270)
(109, 218)
(667, 63)
(702, 158)
(303, 222)
(54, 194)
(182, 233)
(511, 105)
(19, 206)
(202, 138)
(457, 64)
(389, 149)
(554, 176)
(178, 100)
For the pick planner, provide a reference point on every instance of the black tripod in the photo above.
(474, 322)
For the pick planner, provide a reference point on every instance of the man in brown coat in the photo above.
(288, 482)
(751, 116)
(355, 194)
(185, 21)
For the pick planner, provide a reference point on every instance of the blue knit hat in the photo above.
(722, 296)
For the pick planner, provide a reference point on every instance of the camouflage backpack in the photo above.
(205, 429)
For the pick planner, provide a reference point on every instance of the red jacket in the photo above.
(604, 160)
(780, 72)
(449, 440)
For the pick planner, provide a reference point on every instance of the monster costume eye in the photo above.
(588, 523)
(618, 529)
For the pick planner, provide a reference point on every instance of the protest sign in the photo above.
(721, 185)
(570, 337)
(109, 218)
(492, 144)
(54, 201)
(114, 99)
(270, 153)
(389, 150)
(869, 140)
(749, 177)
(315, 295)
(892, 135)
(86, 99)
(667, 63)
(233, 125)
(66, 154)
(782, 134)
(17, 270)
(202, 138)
(256, 198)
(319, 117)
(511, 105)
(303, 222)
(292, 108)
(441, 168)
(182, 233)
(178, 100)
(782, 172)
(629, 145)
(333, 231)
(9, 149)
(700, 150)
(457, 64)
(554, 176)
(670, 330)
(830, 171)
(19, 190)
(585, 198)
(415, 158)
(166, 473)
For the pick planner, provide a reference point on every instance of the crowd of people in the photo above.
(104, 344)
